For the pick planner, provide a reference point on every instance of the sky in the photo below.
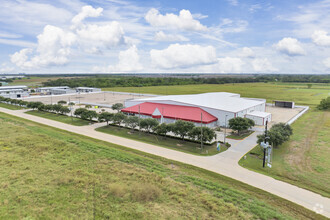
(165, 36)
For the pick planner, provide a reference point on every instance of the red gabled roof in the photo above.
(179, 112)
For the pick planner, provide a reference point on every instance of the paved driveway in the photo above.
(224, 163)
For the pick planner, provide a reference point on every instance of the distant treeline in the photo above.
(105, 82)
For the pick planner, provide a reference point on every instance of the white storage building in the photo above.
(14, 92)
(222, 105)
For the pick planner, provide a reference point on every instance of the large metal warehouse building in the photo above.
(211, 109)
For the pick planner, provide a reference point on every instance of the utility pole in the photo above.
(139, 121)
(224, 138)
(201, 131)
(104, 95)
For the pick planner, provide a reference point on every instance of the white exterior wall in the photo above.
(260, 120)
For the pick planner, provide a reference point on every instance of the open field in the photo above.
(61, 118)
(35, 81)
(297, 92)
(32, 81)
(50, 173)
(172, 143)
(11, 107)
(304, 160)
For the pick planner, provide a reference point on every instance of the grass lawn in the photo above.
(11, 107)
(241, 136)
(304, 160)
(48, 173)
(61, 118)
(168, 142)
(297, 92)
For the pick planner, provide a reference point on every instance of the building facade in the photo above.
(221, 105)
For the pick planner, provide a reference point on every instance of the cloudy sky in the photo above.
(165, 36)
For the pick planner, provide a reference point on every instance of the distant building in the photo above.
(58, 90)
(14, 92)
(87, 89)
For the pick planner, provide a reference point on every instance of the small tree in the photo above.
(88, 106)
(207, 134)
(64, 110)
(89, 115)
(309, 85)
(62, 102)
(162, 129)
(57, 108)
(182, 128)
(324, 104)
(118, 118)
(132, 122)
(240, 124)
(79, 111)
(148, 124)
(117, 106)
(278, 134)
(105, 116)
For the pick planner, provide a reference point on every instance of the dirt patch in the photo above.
(282, 114)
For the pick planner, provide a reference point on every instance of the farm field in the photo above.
(50, 173)
(304, 159)
(61, 118)
(297, 92)
(172, 143)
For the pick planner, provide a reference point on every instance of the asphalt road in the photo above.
(225, 163)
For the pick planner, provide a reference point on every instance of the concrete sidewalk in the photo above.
(224, 163)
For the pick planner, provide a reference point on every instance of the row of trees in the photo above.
(13, 101)
(183, 129)
(129, 81)
(277, 135)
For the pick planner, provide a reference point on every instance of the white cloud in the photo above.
(183, 56)
(262, 65)
(129, 61)
(230, 65)
(247, 52)
(108, 35)
(4, 68)
(233, 2)
(290, 46)
(86, 11)
(53, 49)
(183, 21)
(20, 58)
(321, 38)
(161, 36)
(326, 62)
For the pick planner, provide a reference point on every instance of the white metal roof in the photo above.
(259, 114)
(12, 87)
(86, 88)
(225, 101)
